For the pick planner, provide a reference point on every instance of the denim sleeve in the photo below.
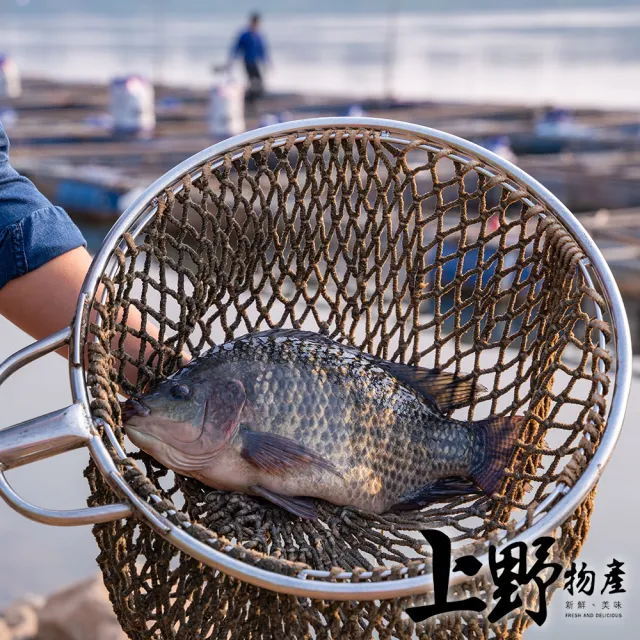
(32, 230)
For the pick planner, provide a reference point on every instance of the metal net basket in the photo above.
(408, 244)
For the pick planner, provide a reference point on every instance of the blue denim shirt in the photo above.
(32, 230)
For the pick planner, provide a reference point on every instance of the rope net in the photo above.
(405, 249)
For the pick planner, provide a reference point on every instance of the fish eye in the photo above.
(180, 392)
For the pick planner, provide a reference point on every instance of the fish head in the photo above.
(185, 423)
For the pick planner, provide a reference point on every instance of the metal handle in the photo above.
(43, 437)
(49, 435)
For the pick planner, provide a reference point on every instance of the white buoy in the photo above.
(267, 119)
(561, 123)
(10, 85)
(226, 108)
(501, 145)
(132, 105)
(355, 111)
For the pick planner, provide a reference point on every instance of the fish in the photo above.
(291, 416)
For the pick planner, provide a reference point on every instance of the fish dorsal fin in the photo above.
(298, 334)
(445, 389)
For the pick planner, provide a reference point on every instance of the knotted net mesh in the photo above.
(407, 249)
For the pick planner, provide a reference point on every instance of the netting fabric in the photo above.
(404, 248)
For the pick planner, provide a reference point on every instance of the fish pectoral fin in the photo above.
(278, 455)
(435, 491)
(445, 389)
(302, 507)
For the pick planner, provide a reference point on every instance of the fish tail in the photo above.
(498, 437)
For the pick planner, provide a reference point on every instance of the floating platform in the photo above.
(61, 140)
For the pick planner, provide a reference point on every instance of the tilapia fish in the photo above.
(291, 415)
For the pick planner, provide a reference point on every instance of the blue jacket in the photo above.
(251, 46)
(32, 230)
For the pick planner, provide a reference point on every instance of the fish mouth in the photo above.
(133, 407)
(130, 414)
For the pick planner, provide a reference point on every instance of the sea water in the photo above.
(571, 52)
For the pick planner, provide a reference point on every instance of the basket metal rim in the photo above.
(298, 586)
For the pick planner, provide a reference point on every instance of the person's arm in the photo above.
(43, 260)
(38, 285)
(43, 301)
